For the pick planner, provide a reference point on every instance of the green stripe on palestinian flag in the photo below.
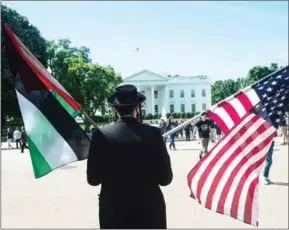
(74, 113)
(48, 112)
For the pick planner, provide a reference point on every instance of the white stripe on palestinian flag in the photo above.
(51, 147)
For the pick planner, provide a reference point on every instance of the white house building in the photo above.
(175, 93)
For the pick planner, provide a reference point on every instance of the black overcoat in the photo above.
(130, 161)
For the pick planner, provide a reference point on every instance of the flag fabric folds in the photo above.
(226, 179)
(48, 111)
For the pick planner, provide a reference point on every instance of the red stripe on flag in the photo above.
(231, 111)
(49, 84)
(228, 162)
(230, 180)
(243, 98)
(239, 189)
(249, 201)
(215, 117)
(200, 163)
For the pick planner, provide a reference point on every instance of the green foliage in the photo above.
(226, 88)
(32, 39)
(148, 116)
(258, 72)
(89, 83)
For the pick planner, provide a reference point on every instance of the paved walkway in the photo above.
(63, 199)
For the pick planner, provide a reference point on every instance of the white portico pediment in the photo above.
(145, 76)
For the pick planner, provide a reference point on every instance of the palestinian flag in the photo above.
(48, 111)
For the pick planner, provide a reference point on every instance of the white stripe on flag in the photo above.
(255, 206)
(238, 106)
(232, 165)
(222, 113)
(253, 97)
(51, 145)
(215, 151)
(251, 160)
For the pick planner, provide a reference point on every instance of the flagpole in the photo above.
(226, 99)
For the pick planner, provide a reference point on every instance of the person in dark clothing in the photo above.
(172, 124)
(23, 140)
(188, 129)
(130, 161)
(204, 126)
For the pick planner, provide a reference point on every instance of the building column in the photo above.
(166, 96)
(153, 100)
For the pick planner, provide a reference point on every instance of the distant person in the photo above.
(203, 127)
(9, 138)
(171, 125)
(268, 165)
(17, 137)
(23, 140)
(130, 161)
(284, 130)
(188, 129)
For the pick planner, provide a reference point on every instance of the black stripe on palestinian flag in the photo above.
(54, 137)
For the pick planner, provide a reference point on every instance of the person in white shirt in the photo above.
(17, 136)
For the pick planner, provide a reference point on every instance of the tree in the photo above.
(258, 72)
(89, 83)
(223, 89)
(33, 40)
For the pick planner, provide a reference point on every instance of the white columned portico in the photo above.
(153, 100)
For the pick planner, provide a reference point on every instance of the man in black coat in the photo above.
(130, 161)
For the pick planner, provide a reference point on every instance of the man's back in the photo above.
(133, 157)
(130, 161)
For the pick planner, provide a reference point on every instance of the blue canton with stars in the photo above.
(273, 92)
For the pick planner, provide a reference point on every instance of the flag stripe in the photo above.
(224, 166)
(198, 170)
(66, 106)
(238, 106)
(58, 117)
(39, 164)
(237, 206)
(42, 73)
(50, 143)
(219, 121)
(230, 110)
(249, 202)
(233, 147)
(254, 205)
(238, 172)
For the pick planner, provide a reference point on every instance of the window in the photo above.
(156, 109)
(203, 92)
(171, 93)
(182, 93)
(143, 112)
(172, 108)
(182, 108)
(204, 106)
(193, 93)
(193, 108)
(156, 94)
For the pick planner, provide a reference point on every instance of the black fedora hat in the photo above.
(126, 95)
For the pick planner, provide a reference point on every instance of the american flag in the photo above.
(226, 179)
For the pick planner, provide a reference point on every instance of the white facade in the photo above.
(176, 93)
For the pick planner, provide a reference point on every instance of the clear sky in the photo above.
(218, 39)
